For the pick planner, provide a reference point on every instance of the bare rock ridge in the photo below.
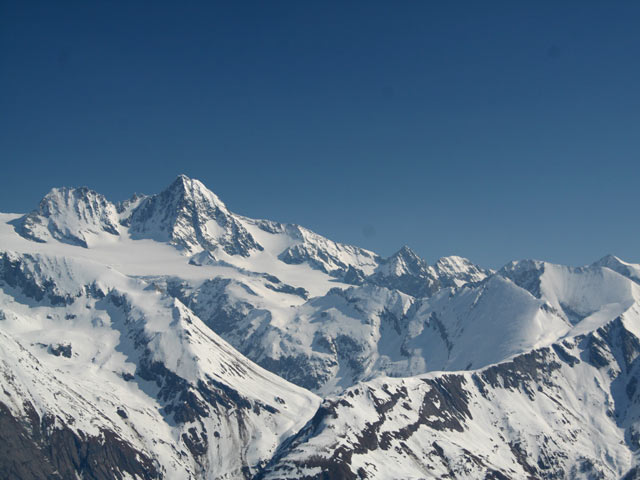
(484, 424)
(168, 337)
(191, 217)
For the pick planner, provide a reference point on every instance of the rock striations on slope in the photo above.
(168, 337)
(70, 215)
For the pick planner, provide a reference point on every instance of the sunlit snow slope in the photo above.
(168, 337)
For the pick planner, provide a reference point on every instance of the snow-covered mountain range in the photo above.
(168, 337)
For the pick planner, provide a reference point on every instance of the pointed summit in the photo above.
(70, 215)
(407, 272)
(609, 259)
(406, 261)
(614, 263)
(185, 183)
(525, 273)
(407, 253)
(454, 271)
(185, 187)
(190, 216)
(182, 178)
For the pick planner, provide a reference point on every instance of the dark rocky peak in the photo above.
(191, 195)
(193, 191)
(320, 253)
(525, 273)
(408, 254)
(407, 272)
(35, 278)
(406, 262)
(126, 207)
(191, 217)
(608, 259)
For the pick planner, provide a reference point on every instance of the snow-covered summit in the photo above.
(70, 215)
(629, 270)
(193, 218)
(407, 272)
(454, 271)
(196, 221)
(405, 262)
(319, 252)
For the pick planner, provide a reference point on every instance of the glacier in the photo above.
(168, 337)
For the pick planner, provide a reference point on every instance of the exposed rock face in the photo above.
(454, 271)
(27, 275)
(525, 418)
(70, 215)
(215, 305)
(526, 274)
(404, 270)
(124, 357)
(346, 336)
(332, 342)
(38, 448)
(165, 396)
(320, 253)
(612, 262)
(191, 217)
(407, 272)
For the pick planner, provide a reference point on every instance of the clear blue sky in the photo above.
(492, 130)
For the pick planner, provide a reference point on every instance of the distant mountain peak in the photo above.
(70, 215)
(68, 195)
(452, 260)
(407, 272)
(193, 190)
(522, 265)
(183, 182)
(455, 271)
(618, 265)
(192, 217)
(610, 259)
(405, 261)
(406, 251)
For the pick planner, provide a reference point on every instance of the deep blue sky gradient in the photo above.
(492, 130)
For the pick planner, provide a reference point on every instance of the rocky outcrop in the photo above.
(192, 218)
(70, 215)
(35, 448)
(485, 424)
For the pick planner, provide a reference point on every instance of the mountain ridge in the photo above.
(192, 219)
(192, 342)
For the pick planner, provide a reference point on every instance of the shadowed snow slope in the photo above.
(107, 358)
(168, 337)
(70, 215)
(191, 217)
(570, 410)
